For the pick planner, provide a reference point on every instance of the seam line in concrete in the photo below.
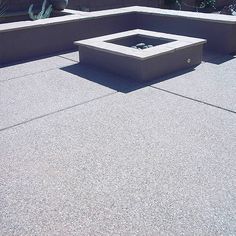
(58, 111)
(26, 75)
(68, 58)
(193, 99)
(38, 72)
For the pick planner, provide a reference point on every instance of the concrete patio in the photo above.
(85, 152)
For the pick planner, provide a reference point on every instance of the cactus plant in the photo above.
(44, 13)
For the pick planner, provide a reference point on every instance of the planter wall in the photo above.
(221, 36)
(52, 36)
(46, 39)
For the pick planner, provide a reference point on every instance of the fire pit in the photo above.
(116, 53)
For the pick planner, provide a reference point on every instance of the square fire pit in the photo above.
(141, 54)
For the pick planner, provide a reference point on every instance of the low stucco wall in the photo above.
(221, 37)
(56, 35)
(30, 42)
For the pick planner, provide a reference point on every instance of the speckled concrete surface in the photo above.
(36, 95)
(33, 67)
(213, 82)
(140, 162)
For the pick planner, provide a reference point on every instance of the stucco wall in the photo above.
(43, 39)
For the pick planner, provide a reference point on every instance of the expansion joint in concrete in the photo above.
(193, 99)
(55, 112)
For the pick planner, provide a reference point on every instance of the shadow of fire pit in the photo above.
(116, 82)
(104, 78)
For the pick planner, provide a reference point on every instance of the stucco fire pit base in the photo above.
(169, 53)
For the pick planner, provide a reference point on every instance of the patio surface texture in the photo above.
(86, 152)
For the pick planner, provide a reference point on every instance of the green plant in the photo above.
(230, 9)
(207, 4)
(44, 13)
(200, 5)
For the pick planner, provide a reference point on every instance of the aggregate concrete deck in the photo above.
(84, 152)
